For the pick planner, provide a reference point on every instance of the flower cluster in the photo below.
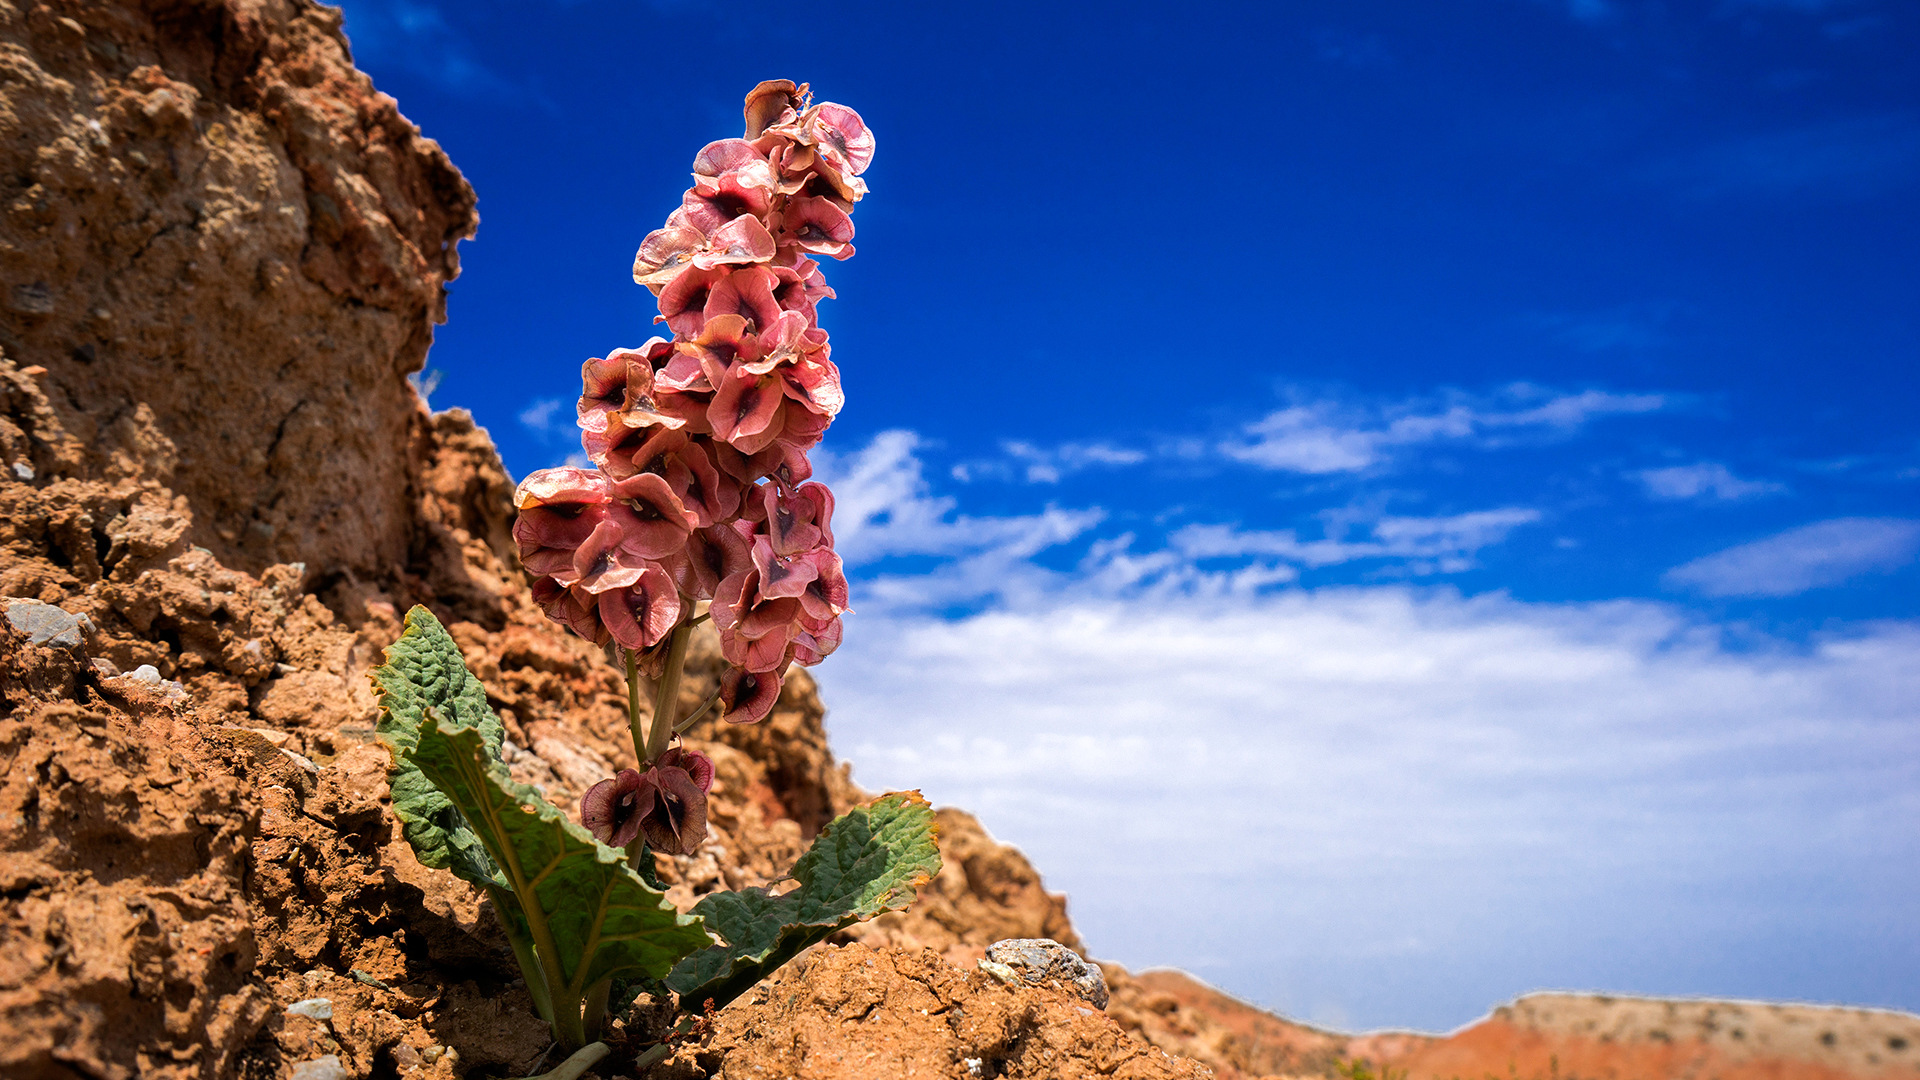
(700, 487)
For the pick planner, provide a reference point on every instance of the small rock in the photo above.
(34, 299)
(148, 678)
(321, 1068)
(312, 1009)
(45, 624)
(1045, 962)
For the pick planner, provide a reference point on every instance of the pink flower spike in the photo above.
(654, 522)
(839, 135)
(562, 486)
(773, 102)
(602, 563)
(825, 596)
(612, 809)
(818, 226)
(746, 697)
(746, 411)
(742, 241)
(746, 292)
(810, 646)
(564, 607)
(780, 577)
(815, 384)
(790, 519)
(683, 302)
(603, 389)
(641, 615)
(723, 156)
(713, 555)
(666, 252)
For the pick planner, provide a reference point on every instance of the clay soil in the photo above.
(222, 254)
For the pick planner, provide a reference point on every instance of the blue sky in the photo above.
(1393, 505)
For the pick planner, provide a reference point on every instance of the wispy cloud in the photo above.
(1809, 557)
(542, 417)
(1444, 544)
(1326, 436)
(1047, 465)
(1706, 480)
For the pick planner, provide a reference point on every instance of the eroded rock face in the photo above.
(227, 249)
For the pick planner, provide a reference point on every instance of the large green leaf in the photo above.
(424, 679)
(589, 914)
(866, 862)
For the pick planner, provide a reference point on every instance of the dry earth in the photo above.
(222, 253)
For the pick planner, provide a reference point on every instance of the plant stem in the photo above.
(695, 716)
(596, 1008)
(666, 700)
(633, 707)
(583, 1059)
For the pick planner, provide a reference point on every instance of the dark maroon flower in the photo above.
(746, 697)
(642, 614)
(668, 803)
(611, 809)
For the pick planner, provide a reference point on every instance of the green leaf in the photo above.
(589, 915)
(866, 862)
(425, 678)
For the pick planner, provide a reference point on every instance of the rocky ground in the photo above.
(222, 253)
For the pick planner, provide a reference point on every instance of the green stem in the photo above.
(633, 708)
(583, 1059)
(666, 701)
(596, 1008)
(697, 713)
(530, 968)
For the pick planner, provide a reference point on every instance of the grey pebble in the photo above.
(1045, 962)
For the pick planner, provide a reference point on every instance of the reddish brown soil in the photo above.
(221, 254)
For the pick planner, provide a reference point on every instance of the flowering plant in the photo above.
(699, 505)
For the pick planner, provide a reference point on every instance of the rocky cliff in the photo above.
(222, 255)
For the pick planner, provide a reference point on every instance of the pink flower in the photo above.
(641, 615)
(773, 102)
(668, 803)
(746, 697)
(817, 225)
(746, 292)
(839, 136)
(559, 510)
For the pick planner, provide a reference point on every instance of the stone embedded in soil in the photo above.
(44, 624)
(854, 1012)
(1045, 962)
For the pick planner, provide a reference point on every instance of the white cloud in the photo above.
(1382, 805)
(1391, 806)
(1809, 557)
(1047, 466)
(1450, 540)
(1326, 436)
(539, 416)
(1708, 479)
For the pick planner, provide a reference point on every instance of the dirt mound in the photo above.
(1538, 1037)
(222, 255)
